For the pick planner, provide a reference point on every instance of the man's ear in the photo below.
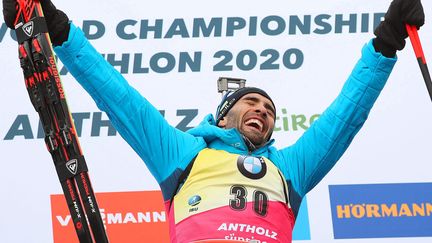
(222, 122)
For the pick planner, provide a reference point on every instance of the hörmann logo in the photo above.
(381, 210)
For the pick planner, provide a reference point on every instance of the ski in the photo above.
(47, 96)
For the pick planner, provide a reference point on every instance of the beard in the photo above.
(257, 138)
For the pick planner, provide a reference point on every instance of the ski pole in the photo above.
(418, 50)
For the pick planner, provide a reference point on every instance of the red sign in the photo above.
(127, 216)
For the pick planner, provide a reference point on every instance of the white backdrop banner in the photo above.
(300, 52)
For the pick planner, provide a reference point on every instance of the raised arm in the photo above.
(321, 146)
(161, 146)
(317, 151)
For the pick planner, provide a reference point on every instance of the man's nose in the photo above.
(261, 109)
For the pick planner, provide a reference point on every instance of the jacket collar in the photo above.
(229, 140)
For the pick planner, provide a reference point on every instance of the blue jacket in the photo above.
(167, 151)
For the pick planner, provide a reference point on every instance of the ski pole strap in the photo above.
(182, 179)
(35, 26)
(71, 168)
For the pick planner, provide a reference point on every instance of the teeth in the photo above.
(255, 121)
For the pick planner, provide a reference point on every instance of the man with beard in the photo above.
(224, 179)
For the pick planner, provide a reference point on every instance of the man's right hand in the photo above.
(57, 21)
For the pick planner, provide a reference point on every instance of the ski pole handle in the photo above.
(418, 50)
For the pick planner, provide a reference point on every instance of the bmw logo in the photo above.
(252, 167)
(194, 200)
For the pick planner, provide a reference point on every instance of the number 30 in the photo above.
(260, 200)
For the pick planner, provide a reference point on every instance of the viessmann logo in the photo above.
(128, 217)
(381, 210)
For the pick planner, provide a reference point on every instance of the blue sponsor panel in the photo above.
(301, 228)
(381, 210)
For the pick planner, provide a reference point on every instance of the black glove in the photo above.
(57, 21)
(391, 33)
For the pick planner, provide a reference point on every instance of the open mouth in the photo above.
(255, 123)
